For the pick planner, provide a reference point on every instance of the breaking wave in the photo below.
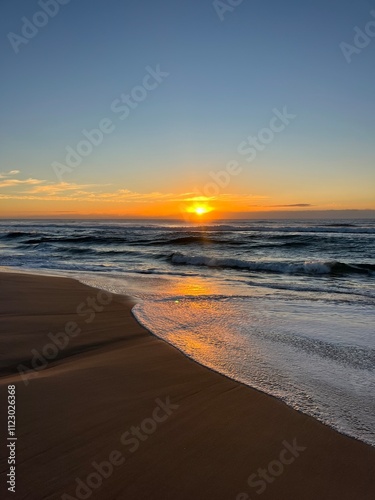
(307, 267)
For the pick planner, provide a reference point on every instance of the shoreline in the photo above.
(222, 429)
(135, 301)
(253, 388)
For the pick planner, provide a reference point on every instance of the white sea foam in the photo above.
(317, 358)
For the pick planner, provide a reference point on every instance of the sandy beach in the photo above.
(106, 410)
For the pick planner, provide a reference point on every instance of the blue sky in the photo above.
(225, 78)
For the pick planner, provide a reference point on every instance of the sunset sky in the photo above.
(177, 94)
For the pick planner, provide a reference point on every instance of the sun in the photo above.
(199, 209)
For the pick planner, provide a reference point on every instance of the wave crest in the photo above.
(307, 267)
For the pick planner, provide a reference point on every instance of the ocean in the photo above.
(286, 307)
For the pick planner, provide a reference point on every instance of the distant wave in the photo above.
(201, 239)
(208, 240)
(294, 287)
(333, 228)
(15, 234)
(75, 239)
(86, 250)
(287, 240)
(307, 267)
(189, 240)
(122, 234)
(341, 224)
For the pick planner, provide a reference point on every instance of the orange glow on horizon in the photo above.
(29, 197)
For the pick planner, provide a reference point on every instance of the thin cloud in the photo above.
(301, 205)
(17, 182)
(4, 175)
(43, 190)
